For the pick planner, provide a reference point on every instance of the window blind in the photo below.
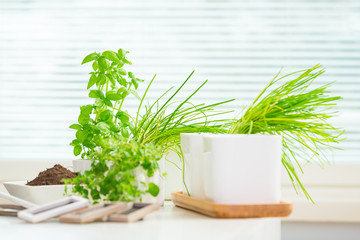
(239, 46)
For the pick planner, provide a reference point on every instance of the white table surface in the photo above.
(170, 223)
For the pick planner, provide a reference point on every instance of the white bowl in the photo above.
(36, 194)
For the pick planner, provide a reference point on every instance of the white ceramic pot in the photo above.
(242, 169)
(192, 149)
(158, 179)
(81, 165)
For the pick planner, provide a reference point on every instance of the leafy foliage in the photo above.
(115, 168)
(118, 143)
(104, 118)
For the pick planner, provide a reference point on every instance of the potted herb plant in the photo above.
(125, 151)
(288, 120)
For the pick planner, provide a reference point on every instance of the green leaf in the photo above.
(135, 83)
(88, 127)
(96, 94)
(101, 80)
(95, 66)
(102, 127)
(99, 102)
(92, 81)
(97, 139)
(132, 128)
(100, 167)
(127, 61)
(74, 142)
(111, 55)
(104, 189)
(103, 64)
(122, 116)
(131, 75)
(133, 92)
(122, 81)
(90, 58)
(115, 128)
(86, 109)
(125, 133)
(77, 150)
(105, 115)
(108, 102)
(153, 189)
(122, 71)
(75, 126)
(81, 135)
(123, 92)
(84, 119)
(121, 53)
(114, 96)
(111, 79)
(95, 194)
(89, 144)
(120, 64)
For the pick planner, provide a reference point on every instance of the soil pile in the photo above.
(52, 176)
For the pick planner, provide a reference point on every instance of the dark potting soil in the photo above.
(52, 176)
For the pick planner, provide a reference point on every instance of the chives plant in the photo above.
(158, 126)
(299, 114)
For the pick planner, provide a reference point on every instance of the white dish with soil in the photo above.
(36, 194)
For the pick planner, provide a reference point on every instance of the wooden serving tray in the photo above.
(283, 209)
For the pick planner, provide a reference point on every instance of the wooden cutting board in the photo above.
(283, 209)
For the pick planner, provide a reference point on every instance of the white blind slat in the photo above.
(238, 45)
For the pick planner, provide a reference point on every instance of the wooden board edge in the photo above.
(198, 206)
(207, 208)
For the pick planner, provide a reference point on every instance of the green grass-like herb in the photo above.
(162, 125)
(299, 114)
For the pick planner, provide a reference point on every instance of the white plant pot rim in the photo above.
(231, 135)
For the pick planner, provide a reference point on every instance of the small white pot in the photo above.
(242, 169)
(157, 179)
(81, 165)
(192, 147)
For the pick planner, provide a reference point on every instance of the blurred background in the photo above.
(237, 45)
